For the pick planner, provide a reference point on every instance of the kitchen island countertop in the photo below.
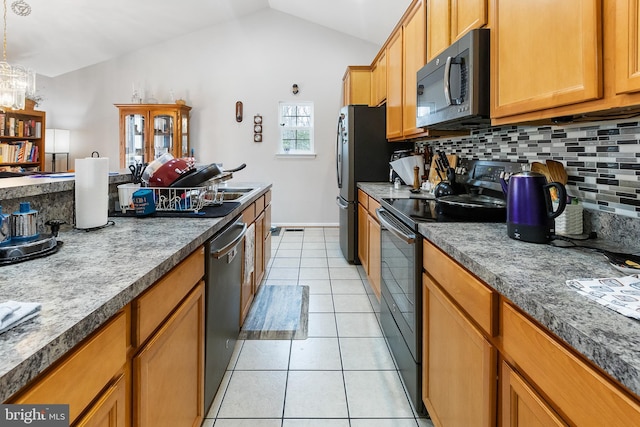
(533, 277)
(91, 277)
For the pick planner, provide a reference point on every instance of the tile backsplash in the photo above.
(602, 159)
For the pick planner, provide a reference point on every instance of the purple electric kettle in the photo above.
(530, 211)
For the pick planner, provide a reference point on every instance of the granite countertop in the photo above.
(91, 277)
(533, 277)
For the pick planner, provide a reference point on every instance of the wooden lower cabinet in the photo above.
(487, 363)
(369, 250)
(168, 372)
(459, 365)
(110, 409)
(85, 372)
(521, 405)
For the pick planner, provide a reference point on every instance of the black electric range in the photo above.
(401, 256)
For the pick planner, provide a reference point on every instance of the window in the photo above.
(296, 128)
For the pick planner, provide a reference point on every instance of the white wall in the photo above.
(255, 60)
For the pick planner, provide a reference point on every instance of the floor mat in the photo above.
(278, 313)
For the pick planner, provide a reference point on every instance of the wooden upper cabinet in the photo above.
(356, 85)
(467, 15)
(414, 58)
(394, 86)
(438, 32)
(545, 54)
(448, 20)
(379, 79)
(627, 46)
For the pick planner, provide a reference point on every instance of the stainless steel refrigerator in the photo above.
(362, 155)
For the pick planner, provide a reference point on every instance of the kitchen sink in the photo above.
(233, 194)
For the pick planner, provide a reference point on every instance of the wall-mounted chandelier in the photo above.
(16, 82)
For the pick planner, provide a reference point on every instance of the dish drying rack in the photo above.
(181, 199)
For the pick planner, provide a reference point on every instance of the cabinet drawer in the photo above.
(477, 299)
(580, 393)
(159, 301)
(363, 199)
(109, 410)
(259, 204)
(249, 214)
(373, 205)
(85, 372)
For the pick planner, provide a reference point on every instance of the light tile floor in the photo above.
(342, 375)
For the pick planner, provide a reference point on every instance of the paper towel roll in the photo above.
(92, 192)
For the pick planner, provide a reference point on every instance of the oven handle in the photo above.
(385, 220)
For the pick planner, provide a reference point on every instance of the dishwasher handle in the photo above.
(387, 220)
(219, 253)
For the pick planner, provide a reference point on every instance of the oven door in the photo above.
(401, 259)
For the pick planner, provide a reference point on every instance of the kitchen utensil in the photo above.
(155, 165)
(202, 174)
(236, 169)
(557, 172)
(169, 172)
(475, 206)
(542, 169)
(433, 173)
(443, 188)
(530, 212)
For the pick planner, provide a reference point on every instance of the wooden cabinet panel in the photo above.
(394, 86)
(372, 206)
(85, 372)
(573, 388)
(459, 386)
(379, 80)
(259, 248)
(627, 46)
(110, 409)
(357, 85)
(467, 15)
(168, 376)
(521, 405)
(363, 237)
(477, 299)
(246, 290)
(363, 199)
(152, 307)
(414, 58)
(531, 70)
(375, 260)
(438, 31)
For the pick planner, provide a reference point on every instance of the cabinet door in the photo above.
(109, 410)
(627, 46)
(363, 237)
(459, 365)
(545, 54)
(374, 255)
(394, 86)
(259, 261)
(168, 372)
(357, 85)
(379, 80)
(521, 405)
(162, 128)
(467, 15)
(414, 57)
(438, 28)
(133, 128)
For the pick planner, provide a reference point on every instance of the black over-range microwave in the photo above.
(453, 88)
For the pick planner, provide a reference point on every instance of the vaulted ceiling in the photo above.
(60, 36)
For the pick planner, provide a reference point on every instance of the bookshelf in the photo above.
(22, 140)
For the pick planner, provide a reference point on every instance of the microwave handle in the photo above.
(447, 81)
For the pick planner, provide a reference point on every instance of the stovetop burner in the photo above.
(483, 201)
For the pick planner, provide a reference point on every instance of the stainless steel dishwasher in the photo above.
(223, 278)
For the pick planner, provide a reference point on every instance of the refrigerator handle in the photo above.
(339, 151)
(341, 204)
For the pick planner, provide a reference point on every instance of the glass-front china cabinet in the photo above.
(147, 131)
